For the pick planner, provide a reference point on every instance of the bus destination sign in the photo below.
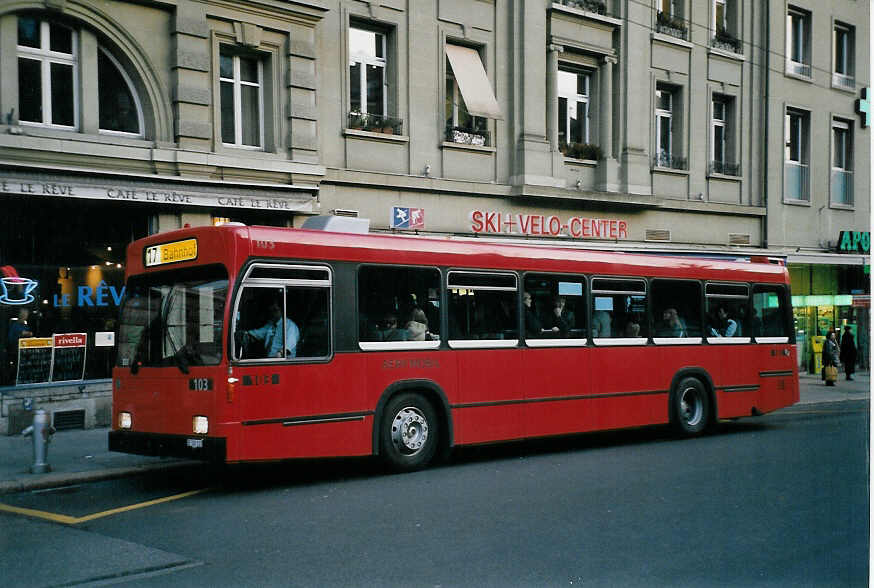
(171, 252)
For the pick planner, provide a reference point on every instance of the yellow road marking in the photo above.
(68, 520)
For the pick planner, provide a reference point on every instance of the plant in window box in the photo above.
(357, 120)
(581, 151)
(596, 6)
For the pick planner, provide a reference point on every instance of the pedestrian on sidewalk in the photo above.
(848, 352)
(830, 356)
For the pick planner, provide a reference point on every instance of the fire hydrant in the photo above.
(41, 430)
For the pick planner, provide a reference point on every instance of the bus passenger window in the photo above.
(727, 310)
(619, 309)
(770, 317)
(676, 309)
(398, 304)
(483, 307)
(557, 307)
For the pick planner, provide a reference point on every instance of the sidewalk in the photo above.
(81, 456)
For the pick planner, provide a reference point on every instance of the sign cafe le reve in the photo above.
(213, 196)
(537, 225)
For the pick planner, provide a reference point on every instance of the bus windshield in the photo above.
(173, 318)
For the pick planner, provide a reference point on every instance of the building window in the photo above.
(368, 87)
(469, 100)
(573, 108)
(666, 123)
(242, 100)
(842, 159)
(796, 172)
(367, 71)
(47, 73)
(119, 107)
(721, 143)
(798, 42)
(724, 29)
(843, 75)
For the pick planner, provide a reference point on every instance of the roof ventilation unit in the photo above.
(337, 224)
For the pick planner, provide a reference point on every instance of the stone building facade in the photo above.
(708, 127)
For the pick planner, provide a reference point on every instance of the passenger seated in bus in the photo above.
(390, 330)
(671, 324)
(723, 325)
(601, 324)
(417, 327)
(533, 325)
(561, 319)
(632, 330)
(271, 334)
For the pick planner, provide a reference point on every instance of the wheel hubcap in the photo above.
(691, 407)
(409, 430)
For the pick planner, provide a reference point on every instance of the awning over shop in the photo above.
(827, 259)
(473, 82)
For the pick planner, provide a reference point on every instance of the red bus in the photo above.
(245, 343)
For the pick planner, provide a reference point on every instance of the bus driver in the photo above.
(271, 334)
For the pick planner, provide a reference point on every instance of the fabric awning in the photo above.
(473, 82)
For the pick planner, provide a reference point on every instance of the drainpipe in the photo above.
(767, 122)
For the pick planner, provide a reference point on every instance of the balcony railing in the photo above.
(596, 6)
(842, 187)
(843, 81)
(375, 123)
(672, 25)
(796, 181)
(666, 161)
(798, 68)
(727, 42)
(724, 168)
(468, 136)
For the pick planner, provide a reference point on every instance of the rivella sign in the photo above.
(536, 225)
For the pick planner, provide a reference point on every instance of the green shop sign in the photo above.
(854, 242)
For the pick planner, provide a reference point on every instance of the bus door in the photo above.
(557, 362)
(776, 360)
(483, 319)
(624, 375)
(289, 404)
(733, 359)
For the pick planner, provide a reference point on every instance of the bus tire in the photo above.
(690, 407)
(409, 432)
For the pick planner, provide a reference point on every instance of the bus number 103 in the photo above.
(200, 384)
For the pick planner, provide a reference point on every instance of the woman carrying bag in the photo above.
(830, 359)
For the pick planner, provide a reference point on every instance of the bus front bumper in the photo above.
(190, 446)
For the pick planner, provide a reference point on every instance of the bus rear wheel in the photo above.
(690, 406)
(409, 432)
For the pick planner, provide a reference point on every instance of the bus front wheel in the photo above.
(690, 406)
(408, 438)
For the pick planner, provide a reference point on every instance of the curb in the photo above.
(59, 479)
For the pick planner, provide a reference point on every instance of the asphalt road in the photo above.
(780, 500)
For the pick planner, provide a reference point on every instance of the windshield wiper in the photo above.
(178, 354)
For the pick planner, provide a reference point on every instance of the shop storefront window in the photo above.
(58, 322)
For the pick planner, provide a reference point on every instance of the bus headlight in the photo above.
(200, 425)
(124, 420)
